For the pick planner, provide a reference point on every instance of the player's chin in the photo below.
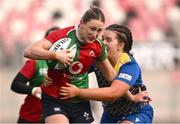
(90, 40)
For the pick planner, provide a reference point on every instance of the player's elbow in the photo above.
(110, 79)
(30, 53)
(26, 53)
(13, 87)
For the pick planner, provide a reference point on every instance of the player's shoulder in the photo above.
(99, 41)
(131, 66)
(97, 44)
(63, 32)
(67, 30)
(30, 63)
(133, 62)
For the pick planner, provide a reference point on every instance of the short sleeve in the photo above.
(103, 55)
(54, 36)
(29, 69)
(128, 73)
(58, 34)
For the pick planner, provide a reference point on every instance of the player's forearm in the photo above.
(39, 53)
(19, 85)
(107, 70)
(116, 90)
(40, 50)
(100, 94)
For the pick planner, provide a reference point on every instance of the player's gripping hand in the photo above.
(142, 96)
(47, 81)
(36, 91)
(68, 91)
(64, 57)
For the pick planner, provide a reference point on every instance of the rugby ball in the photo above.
(62, 44)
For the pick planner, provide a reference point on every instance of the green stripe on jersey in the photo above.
(41, 70)
(80, 80)
(74, 41)
(104, 51)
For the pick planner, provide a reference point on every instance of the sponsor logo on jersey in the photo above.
(86, 115)
(43, 71)
(57, 109)
(76, 67)
(125, 76)
(137, 120)
(91, 53)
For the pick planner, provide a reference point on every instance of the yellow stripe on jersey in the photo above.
(124, 58)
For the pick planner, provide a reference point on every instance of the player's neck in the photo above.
(78, 35)
(114, 59)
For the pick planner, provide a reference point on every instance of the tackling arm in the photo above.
(116, 90)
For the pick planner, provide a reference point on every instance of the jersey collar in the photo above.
(124, 58)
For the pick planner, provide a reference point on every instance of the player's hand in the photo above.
(36, 91)
(68, 91)
(47, 81)
(142, 96)
(64, 57)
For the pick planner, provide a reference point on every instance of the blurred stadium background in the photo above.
(156, 29)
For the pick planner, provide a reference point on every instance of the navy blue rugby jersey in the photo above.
(129, 72)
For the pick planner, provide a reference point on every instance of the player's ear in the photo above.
(121, 46)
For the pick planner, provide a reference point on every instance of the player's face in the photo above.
(90, 30)
(111, 42)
